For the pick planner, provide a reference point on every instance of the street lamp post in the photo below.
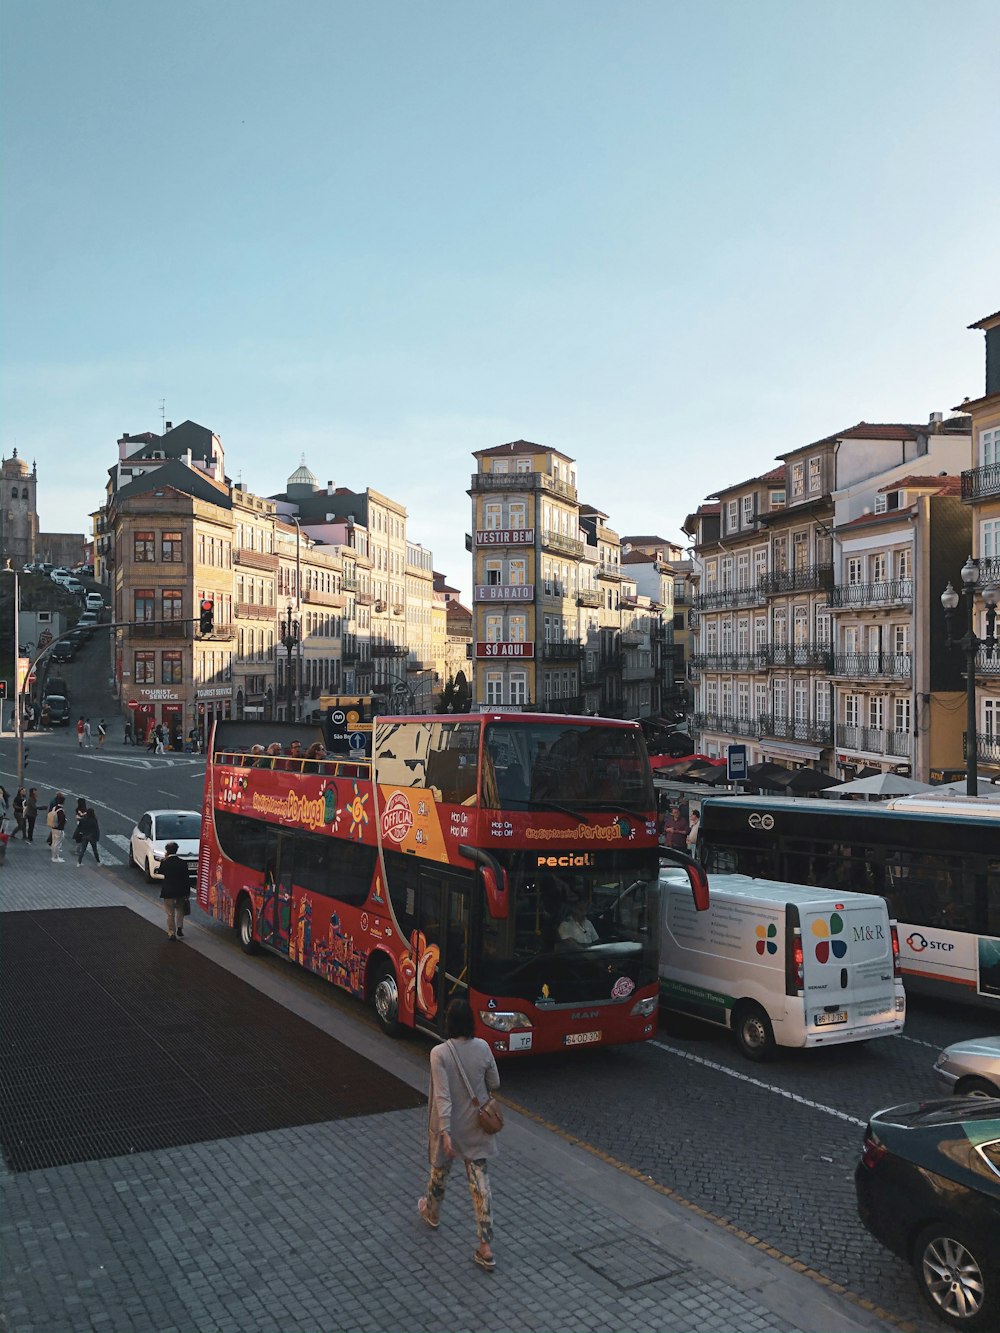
(970, 644)
(289, 639)
(18, 730)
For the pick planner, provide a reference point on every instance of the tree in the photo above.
(446, 699)
(463, 695)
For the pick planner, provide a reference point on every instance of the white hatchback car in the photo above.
(147, 845)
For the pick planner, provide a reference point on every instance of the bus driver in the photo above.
(577, 931)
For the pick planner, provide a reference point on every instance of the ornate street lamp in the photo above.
(290, 639)
(970, 643)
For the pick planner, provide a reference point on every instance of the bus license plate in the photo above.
(581, 1038)
(824, 1020)
(520, 1041)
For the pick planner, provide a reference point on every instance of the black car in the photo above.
(928, 1187)
(64, 651)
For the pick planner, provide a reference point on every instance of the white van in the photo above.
(780, 964)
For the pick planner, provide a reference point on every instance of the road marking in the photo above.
(120, 840)
(931, 1045)
(759, 1083)
(164, 793)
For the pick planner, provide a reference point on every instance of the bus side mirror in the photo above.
(495, 884)
(497, 897)
(695, 871)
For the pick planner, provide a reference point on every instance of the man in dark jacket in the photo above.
(176, 890)
(87, 833)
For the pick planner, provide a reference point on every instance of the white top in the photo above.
(578, 932)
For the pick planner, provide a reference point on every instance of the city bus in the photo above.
(510, 859)
(935, 859)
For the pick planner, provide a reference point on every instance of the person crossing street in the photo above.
(57, 827)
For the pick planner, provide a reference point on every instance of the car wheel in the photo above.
(244, 927)
(954, 1280)
(753, 1032)
(149, 872)
(976, 1087)
(385, 999)
(131, 858)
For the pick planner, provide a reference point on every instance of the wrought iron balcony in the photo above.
(567, 650)
(872, 595)
(728, 724)
(349, 583)
(316, 597)
(633, 671)
(364, 598)
(722, 598)
(987, 663)
(875, 740)
(389, 650)
(255, 611)
(811, 656)
(245, 555)
(808, 578)
(981, 483)
(747, 661)
(987, 746)
(867, 666)
(607, 571)
(559, 541)
(792, 729)
(522, 481)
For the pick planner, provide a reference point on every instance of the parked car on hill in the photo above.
(928, 1188)
(57, 707)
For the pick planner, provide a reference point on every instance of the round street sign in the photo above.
(133, 703)
(357, 740)
(338, 717)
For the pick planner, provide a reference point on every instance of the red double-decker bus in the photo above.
(510, 859)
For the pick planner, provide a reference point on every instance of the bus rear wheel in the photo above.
(244, 927)
(385, 999)
(753, 1032)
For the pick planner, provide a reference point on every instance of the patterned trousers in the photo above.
(479, 1188)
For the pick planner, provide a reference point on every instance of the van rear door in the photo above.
(848, 967)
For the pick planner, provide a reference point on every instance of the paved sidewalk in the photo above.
(315, 1228)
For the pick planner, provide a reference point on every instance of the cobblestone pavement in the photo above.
(315, 1227)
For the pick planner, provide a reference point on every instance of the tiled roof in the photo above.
(943, 485)
(176, 474)
(985, 321)
(865, 430)
(518, 447)
(867, 520)
(648, 541)
(767, 478)
(638, 558)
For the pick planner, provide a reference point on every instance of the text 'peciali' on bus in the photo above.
(509, 859)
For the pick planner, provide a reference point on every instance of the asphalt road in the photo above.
(770, 1148)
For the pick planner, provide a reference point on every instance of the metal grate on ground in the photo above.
(116, 1040)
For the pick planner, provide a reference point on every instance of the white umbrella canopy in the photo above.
(985, 786)
(884, 784)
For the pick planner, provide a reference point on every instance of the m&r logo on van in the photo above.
(827, 944)
(766, 941)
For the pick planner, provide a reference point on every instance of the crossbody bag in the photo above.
(489, 1112)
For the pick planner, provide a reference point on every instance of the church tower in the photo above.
(18, 511)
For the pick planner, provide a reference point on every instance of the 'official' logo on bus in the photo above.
(397, 817)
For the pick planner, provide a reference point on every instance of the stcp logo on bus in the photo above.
(761, 821)
(918, 943)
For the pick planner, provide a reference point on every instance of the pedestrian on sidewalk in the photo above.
(87, 833)
(128, 738)
(79, 734)
(102, 734)
(151, 738)
(19, 802)
(453, 1128)
(692, 837)
(176, 891)
(57, 827)
(159, 739)
(31, 812)
(86, 733)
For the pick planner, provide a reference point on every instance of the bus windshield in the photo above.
(574, 935)
(573, 766)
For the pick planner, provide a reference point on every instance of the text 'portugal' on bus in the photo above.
(510, 859)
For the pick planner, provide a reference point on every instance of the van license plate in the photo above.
(824, 1020)
(581, 1038)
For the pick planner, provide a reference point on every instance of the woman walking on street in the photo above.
(19, 804)
(31, 812)
(453, 1128)
(87, 833)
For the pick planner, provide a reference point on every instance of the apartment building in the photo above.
(768, 644)
(981, 493)
(560, 625)
(423, 680)
(255, 566)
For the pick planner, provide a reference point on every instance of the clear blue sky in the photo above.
(670, 240)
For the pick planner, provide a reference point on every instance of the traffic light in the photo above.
(207, 622)
(3, 689)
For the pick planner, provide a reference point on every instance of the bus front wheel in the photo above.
(753, 1032)
(244, 927)
(385, 999)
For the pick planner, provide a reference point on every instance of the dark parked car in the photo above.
(57, 709)
(64, 651)
(928, 1187)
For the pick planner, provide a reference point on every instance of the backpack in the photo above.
(52, 818)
